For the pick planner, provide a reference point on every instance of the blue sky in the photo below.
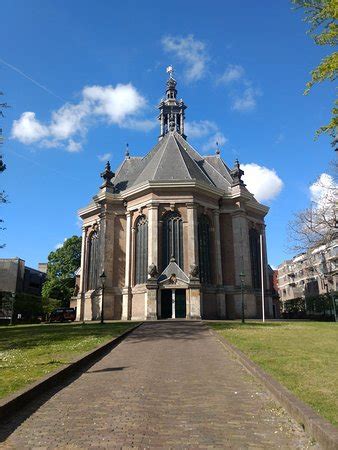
(84, 78)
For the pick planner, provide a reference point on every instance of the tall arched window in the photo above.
(172, 239)
(141, 250)
(94, 261)
(255, 257)
(204, 249)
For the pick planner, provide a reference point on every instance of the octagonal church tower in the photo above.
(173, 232)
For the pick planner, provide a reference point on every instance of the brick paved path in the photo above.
(169, 384)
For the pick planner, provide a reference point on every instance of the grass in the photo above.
(28, 352)
(303, 356)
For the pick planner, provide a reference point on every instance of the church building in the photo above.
(173, 234)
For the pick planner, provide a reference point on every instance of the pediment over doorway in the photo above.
(173, 274)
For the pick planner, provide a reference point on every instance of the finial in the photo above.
(107, 175)
(237, 174)
(127, 151)
(170, 70)
(218, 151)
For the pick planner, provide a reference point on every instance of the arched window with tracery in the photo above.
(255, 257)
(172, 238)
(141, 250)
(204, 249)
(94, 260)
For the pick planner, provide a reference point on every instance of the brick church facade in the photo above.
(172, 231)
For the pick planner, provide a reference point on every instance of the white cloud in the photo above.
(191, 52)
(74, 146)
(233, 72)
(57, 246)
(105, 157)
(118, 105)
(114, 104)
(323, 191)
(247, 100)
(29, 130)
(198, 129)
(211, 142)
(264, 183)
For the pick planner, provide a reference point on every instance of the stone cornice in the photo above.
(149, 186)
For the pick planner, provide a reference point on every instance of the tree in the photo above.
(62, 265)
(316, 225)
(322, 16)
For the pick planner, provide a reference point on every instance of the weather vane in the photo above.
(170, 70)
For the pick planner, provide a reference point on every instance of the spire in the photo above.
(172, 110)
(218, 151)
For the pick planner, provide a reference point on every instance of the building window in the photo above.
(204, 249)
(172, 239)
(255, 258)
(141, 249)
(94, 260)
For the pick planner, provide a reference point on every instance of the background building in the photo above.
(16, 277)
(309, 274)
(173, 232)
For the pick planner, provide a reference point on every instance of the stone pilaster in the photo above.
(242, 259)
(107, 236)
(126, 294)
(195, 287)
(151, 300)
(81, 295)
(153, 234)
(221, 308)
(192, 234)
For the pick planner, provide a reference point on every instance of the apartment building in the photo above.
(311, 273)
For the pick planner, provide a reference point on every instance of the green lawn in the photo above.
(303, 356)
(28, 352)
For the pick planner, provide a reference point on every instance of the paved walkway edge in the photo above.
(9, 405)
(315, 425)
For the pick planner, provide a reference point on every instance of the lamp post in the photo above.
(242, 276)
(103, 282)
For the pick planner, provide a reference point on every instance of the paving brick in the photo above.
(169, 384)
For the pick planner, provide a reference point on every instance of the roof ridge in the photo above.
(180, 152)
(160, 159)
(195, 164)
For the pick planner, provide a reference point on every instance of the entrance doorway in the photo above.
(180, 304)
(166, 304)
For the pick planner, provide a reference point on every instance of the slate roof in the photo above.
(172, 158)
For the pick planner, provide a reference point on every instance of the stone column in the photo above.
(182, 123)
(221, 309)
(126, 290)
(81, 296)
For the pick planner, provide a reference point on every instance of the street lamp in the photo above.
(242, 276)
(103, 282)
